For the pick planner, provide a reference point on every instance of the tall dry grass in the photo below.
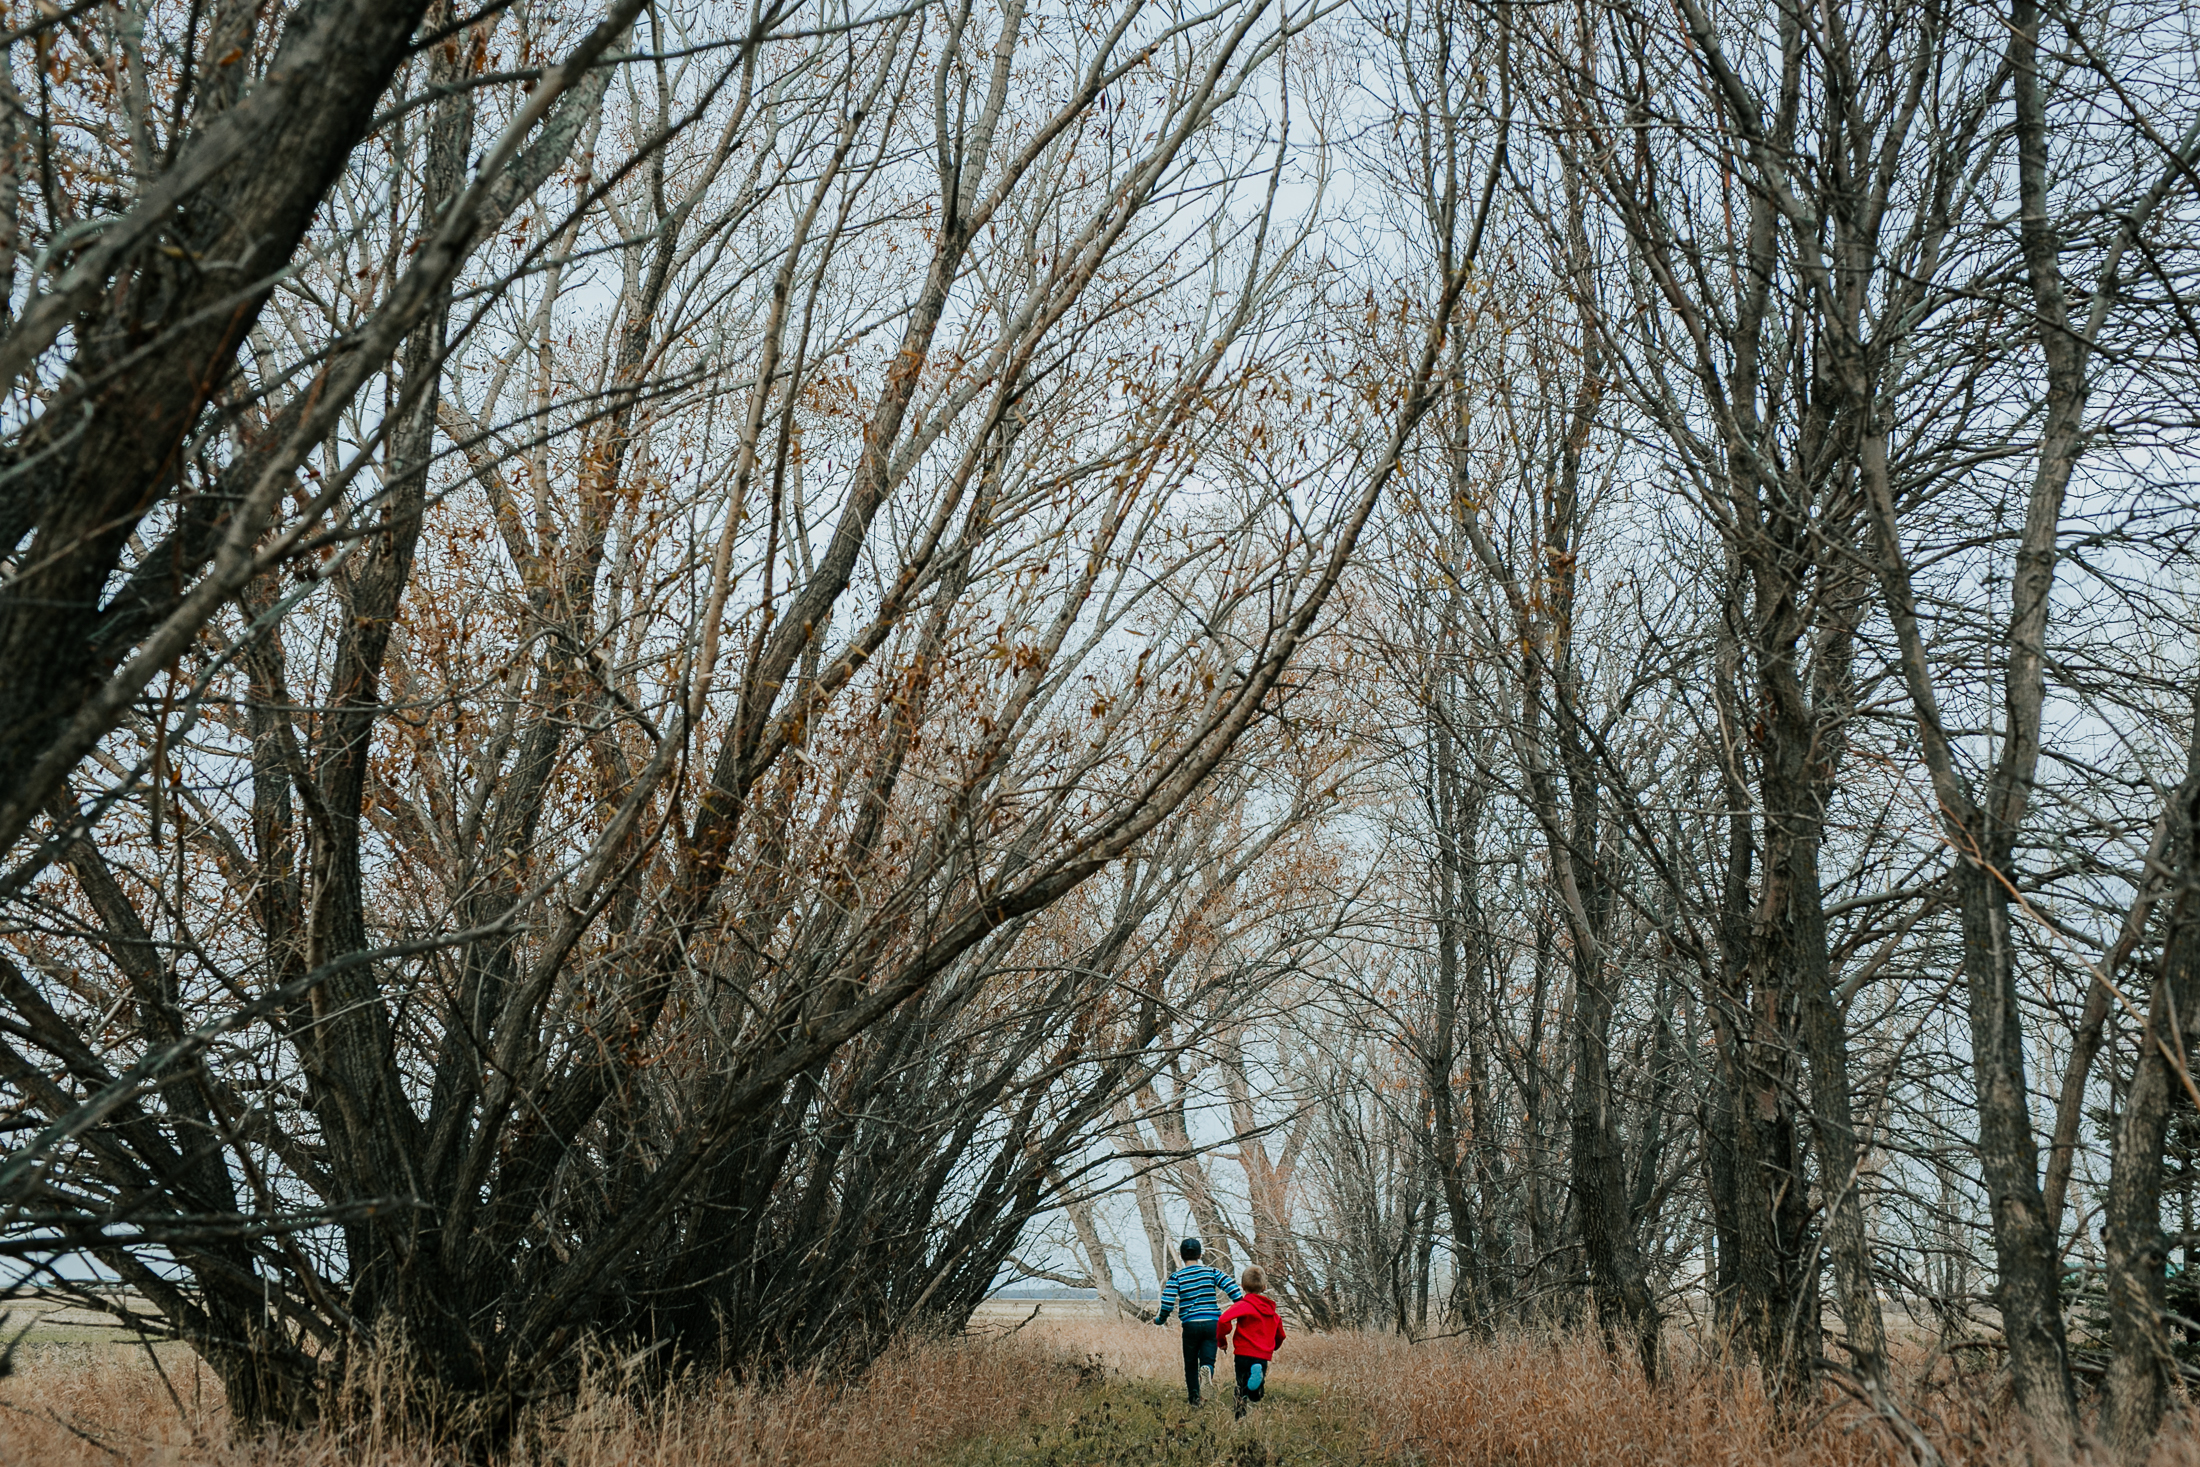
(95, 1409)
(1525, 1402)
(1564, 1401)
(1567, 1402)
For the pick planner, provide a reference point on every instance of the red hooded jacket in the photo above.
(1253, 1319)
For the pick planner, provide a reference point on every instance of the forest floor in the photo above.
(1056, 1386)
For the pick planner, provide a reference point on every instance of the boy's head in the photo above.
(1253, 1280)
(1189, 1250)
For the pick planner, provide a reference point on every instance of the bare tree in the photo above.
(588, 814)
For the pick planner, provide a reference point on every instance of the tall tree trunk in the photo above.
(1441, 1059)
(2141, 1370)
(1599, 1178)
(1773, 1300)
(1804, 741)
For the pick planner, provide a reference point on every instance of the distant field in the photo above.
(43, 1323)
(995, 1310)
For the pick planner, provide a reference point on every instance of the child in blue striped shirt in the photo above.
(1190, 1291)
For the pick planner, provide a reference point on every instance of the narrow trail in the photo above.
(1124, 1421)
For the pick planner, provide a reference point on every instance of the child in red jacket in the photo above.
(1251, 1331)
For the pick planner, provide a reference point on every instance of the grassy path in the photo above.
(1126, 1421)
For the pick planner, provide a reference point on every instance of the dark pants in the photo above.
(1199, 1349)
(1244, 1372)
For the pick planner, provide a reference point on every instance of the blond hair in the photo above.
(1253, 1280)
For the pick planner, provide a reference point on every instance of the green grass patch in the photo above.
(1144, 1422)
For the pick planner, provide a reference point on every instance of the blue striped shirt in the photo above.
(1191, 1292)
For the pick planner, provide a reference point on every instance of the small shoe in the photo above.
(1252, 1378)
(1239, 1412)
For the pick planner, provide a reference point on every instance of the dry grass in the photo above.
(1544, 1403)
(95, 1409)
(1567, 1402)
(1066, 1387)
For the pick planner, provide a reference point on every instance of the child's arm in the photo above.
(1226, 1326)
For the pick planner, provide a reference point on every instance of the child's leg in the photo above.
(1199, 1349)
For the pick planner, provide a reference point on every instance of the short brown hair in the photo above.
(1254, 1280)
